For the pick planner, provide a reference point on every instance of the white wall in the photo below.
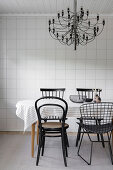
(30, 59)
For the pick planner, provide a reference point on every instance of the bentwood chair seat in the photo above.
(53, 125)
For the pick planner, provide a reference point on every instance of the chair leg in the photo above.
(110, 149)
(89, 163)
(43, 144)
(66, 144)
(64, 149)
(102, 139)
(98, 138)
(78, 135)
(39, 148)
(66, 138)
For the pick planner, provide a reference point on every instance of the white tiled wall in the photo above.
(30, 59)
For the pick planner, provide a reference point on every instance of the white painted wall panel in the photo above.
(30, 59)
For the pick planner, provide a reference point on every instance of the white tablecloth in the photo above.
(26, 111)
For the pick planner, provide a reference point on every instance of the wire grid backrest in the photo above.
(97, 111)
(51, 108)
(57, 92)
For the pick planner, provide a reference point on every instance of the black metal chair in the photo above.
(56, 92)
(52, 109)
(96, 118)
(87, 95)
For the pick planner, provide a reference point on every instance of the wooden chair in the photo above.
(52, 109)
(56, 92)
(46, 92)
(88, 94)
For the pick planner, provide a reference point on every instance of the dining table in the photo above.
(25, 110)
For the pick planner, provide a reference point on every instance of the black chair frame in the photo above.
(104, 125)
(56, 132)
(88, 93)
(56, 92)
(85, 92)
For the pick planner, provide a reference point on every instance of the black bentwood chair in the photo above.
(54, 110)
(97, 119)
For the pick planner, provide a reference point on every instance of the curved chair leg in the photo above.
(64, 149)
(39, 148)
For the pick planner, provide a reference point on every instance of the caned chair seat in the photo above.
(54, 125)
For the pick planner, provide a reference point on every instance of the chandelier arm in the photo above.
(54, 37)
(82, 42)
(63, 43)
(64, 26)
(100, 31)
(90, 29)
(90, 40)
(65, 19)
(67, 32)
(91, 26)
(58, 24)
(85, 32)
(87, 28)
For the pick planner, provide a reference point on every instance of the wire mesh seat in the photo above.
(96, 118)
(54, 111)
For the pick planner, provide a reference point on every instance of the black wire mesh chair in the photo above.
(97, 119)
(89, 94)
(52, 109)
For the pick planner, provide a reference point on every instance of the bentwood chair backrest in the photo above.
(51, 108)
(56, 92)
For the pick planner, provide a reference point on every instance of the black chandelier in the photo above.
(75, 27)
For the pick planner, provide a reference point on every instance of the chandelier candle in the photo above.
(75, 27)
